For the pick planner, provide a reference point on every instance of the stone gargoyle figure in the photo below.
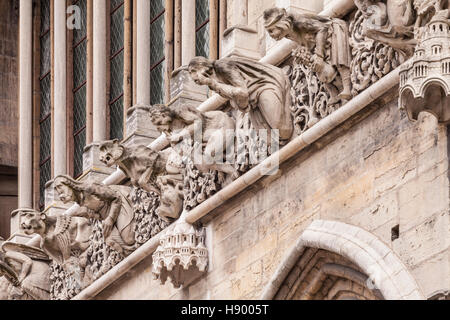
(216, 128)
(109, 204)
(316, 33)
(256, 88)
(141, 164)
(171, 201)
(26, 273)
(64, 239)
(391, 23)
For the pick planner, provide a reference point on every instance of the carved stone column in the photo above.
(188, 31)
(25, 115)
(143, 53)
(99, 76)
(60, 71)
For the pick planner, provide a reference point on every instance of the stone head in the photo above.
(32, 221)
(200, 68)
(277, 23)
(171, 202)
(66, 187)
(110, 152)
(161, 117)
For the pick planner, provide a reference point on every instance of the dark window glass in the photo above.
(116, 69)
(79, 44)
(45, 119)
(157, 59)
(202, 28)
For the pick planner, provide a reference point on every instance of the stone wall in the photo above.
(378, 171)
(9, 75)
(8, 82)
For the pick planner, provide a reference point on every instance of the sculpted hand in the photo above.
(108, 224)
(317, 63)
(175, 138)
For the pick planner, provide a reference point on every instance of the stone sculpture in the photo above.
(65, 240)
(109, 204)
(260, 89)
(25, 271)
(154, 172)
(325, 39)
(391, 23)
(425, 79)
(215, 127)
(141, 164)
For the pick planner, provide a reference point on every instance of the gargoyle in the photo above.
(216, 129)
(141, 164)
(61, 237)
(110, 204)
(256, 88)
(316, 33)
(27, 271)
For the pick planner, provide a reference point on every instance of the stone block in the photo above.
(240, 41)
(139, 128)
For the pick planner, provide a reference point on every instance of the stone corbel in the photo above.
(182, 255)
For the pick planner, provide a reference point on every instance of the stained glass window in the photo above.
(79, 44)
(202, 28)
(157, 58)
(45, 121)
(116, 68)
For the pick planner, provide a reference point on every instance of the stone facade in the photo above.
(9, 64)
(343, 177)
(324, 184)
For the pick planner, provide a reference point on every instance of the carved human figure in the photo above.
(256, 88)
(216, 129)
(61, 236)
(141, 164)
(110, 204)
(171, 201)
(316, 33)
(391, 23)
(27, 270)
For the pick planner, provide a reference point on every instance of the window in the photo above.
(157, 58)
(202, 28)
(79, 47)
(116, 68)
(45, 121)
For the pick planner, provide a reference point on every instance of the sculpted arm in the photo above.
(237, 91)
(192, 118)
(25, 262)
(108, 195)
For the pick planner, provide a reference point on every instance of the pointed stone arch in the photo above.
(334, 260)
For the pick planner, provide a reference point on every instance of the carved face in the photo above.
(110, 152)
(171, 198)
(66, 194)
(277, 23)
(32, 222)
(277, 31)
(199, 69)
(162, 120)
